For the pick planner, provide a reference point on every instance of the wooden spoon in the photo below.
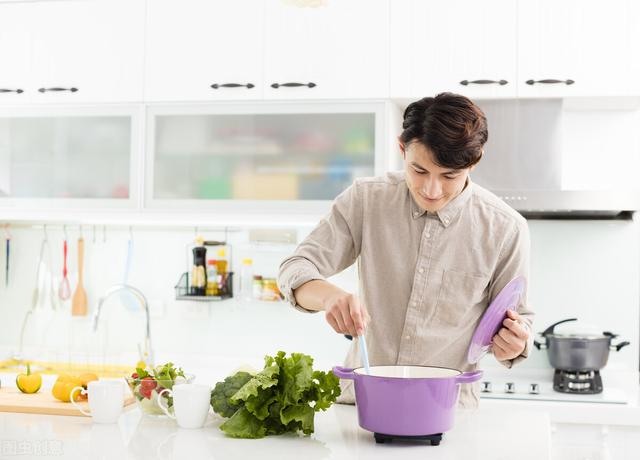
(79, 301)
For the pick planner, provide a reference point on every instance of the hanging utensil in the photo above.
(79, 301)
(64, 291)
(8, 246)
(126, 297)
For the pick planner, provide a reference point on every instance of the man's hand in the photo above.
(511, 339)
(346, 314)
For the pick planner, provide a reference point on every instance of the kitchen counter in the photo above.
(484, 433)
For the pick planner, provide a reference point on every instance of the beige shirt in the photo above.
(426, 278)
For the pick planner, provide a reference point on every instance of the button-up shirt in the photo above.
(426, 278)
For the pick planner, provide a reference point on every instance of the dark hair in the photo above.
(450, 125)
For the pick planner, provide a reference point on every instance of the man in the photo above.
(433, 249)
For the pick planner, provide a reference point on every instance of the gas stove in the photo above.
(539, 386)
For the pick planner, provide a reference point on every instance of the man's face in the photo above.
(431, 186)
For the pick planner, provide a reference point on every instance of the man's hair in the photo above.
(450, 125)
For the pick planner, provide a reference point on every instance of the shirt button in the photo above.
(446, 220)
(414, 304)
(415, 213)
(407, 337)
(428, 235)
(421, 269)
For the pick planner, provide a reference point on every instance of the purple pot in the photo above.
(406, 400)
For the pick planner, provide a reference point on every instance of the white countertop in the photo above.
(484, 433)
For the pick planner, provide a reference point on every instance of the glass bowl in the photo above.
(147, 390)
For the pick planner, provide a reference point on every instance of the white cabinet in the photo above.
(74, 52)
(461, 46)
(204, 50)
(317, 50)
(578, 48)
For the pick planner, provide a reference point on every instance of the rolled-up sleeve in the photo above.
(333, 245)
(514, 261)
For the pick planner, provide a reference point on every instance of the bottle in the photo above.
(246, 280)
(257, 287)
(222, 266)
(212, 277)
(198, 272)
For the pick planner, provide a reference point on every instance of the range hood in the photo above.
(531, 167)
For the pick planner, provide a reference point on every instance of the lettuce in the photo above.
(283, 397)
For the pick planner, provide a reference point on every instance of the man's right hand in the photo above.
(346, 314)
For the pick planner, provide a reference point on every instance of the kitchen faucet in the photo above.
(148, 351)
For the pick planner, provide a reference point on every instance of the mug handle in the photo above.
(165, 409)
(469, 377)
(344, 372)
(75, 404)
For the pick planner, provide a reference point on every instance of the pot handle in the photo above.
(620, 346)
(343, 372)
(469, 377)
(539, 345)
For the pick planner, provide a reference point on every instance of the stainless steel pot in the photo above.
(577, 352)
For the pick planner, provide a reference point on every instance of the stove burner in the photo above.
(577, 382)
(433, 439)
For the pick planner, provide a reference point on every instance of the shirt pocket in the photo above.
(461, 298)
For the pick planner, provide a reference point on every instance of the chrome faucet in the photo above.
(148, 350)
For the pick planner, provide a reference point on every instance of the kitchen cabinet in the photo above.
(504, 49)
(435, 47)
(203, 50)
(91, 51)
(326, 49)
(233, 158)
(255, 49)
(68, 159)
(578, 48)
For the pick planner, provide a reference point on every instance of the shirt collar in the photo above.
(450, 211)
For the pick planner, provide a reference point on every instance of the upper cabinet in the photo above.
(461, 46)
(273, 49)
(324, 50)
(503, 48)
(578, 48)
(204, 50)
(72, 52)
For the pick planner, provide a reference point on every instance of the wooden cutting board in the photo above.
(42, 402)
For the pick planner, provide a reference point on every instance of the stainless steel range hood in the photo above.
(523, 164)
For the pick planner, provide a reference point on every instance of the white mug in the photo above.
(106, 398)
(190, 404)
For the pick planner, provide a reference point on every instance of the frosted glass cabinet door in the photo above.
(270, 156)
(65, 157)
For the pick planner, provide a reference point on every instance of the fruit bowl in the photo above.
(146, 391)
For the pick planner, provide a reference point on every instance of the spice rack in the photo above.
(184, 290)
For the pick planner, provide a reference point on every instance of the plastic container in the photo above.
(212, 278)
(246, 280)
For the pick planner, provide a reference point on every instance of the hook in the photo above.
(130, 233)
(7, 233)
(94, 234)
(64, 229)
(104, 233)
(46, 236)
(80, 230)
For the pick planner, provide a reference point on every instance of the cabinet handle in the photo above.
(484, 82)
(44, 90)
(293, 85)
(6, 90)
(550, 81)
(233, 85)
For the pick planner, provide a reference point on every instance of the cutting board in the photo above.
(42, 402)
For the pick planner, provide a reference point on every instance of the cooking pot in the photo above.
(406, 400)
(577, 351)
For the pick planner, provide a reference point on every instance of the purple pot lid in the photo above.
(507, 299)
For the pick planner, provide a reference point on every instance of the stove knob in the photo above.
(534, 389)
(486, 387)
(510, 387)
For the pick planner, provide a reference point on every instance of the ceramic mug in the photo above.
(106, 399)
(190, 404)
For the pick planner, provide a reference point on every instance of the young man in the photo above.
(434, 249)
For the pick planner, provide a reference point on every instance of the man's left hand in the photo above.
(511, 339)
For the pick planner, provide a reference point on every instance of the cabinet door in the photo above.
(336, 49)
(89, 51)
(462, 46)
(203, 50)
(15, 49)
(578, 48)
